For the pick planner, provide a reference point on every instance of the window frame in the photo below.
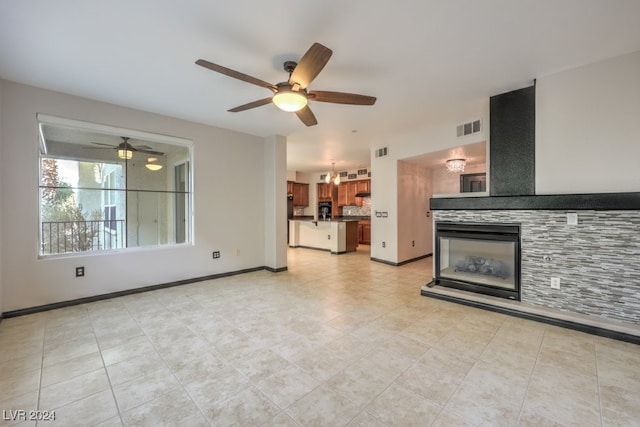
(45, 119)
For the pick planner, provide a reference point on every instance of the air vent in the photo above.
(468, 128)
(380, 152)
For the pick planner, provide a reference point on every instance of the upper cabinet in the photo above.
(300, 193)
(347, 192)
(364, 186)
(327, 192)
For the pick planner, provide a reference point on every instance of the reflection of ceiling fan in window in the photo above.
(126, 150)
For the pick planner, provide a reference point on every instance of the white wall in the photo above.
(415, 229)
(587, 128)
(384, 176)
(229, 205)
(445, 182)
(275, 202)
(3, 179)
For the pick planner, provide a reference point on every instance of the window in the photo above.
(104, 188)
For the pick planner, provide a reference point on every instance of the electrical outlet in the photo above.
(328, 236)
(237, 252)
(216, 254)
(413, 243)
(384, 244)
(79, 271)
(555, 283)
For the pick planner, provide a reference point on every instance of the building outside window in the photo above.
(104, 188)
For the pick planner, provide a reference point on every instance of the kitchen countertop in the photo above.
(338, 236)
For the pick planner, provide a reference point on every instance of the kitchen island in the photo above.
(337, 236)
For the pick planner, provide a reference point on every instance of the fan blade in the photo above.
(235, 74)
(341, 97)
(154, 153)
(250, 105)
(307, 117)
(106, 145)
(310, 65)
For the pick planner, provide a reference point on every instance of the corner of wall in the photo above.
(2, 168)
(275, 191)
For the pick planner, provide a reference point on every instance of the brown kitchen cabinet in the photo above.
(351, 236)
(342, 195)
(327, 192)
(347, 192)
(352, 190)
(364, 186)
(300, 194)
(364, 232)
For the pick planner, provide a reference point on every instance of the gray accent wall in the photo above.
(598, 260)
(512, 150)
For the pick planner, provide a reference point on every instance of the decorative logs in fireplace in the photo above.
(483, 258)
(480, 265)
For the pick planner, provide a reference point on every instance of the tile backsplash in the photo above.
(364, 210)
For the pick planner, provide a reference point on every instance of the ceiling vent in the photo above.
(468, 128)
(380, 152)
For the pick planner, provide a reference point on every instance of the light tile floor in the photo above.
(336, 340)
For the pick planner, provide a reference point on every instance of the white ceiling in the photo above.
(422, 59)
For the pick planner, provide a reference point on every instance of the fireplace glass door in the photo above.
(479, 258)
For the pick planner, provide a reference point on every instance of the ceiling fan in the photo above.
(126, 150)
(292, 95)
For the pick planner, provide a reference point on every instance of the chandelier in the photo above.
(332, 176)
(456, 165)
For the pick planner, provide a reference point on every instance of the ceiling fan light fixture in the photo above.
(125, 153)
(289, 100)
(152, 165)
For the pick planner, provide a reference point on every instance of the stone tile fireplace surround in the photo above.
(597, 260)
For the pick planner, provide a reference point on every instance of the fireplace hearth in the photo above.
(478, 257)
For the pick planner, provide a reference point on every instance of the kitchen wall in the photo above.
(587, 133)
(313, 179)
(228, 218)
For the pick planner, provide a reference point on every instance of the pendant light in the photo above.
(333, 176)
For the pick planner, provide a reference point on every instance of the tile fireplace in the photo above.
(478, 257)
